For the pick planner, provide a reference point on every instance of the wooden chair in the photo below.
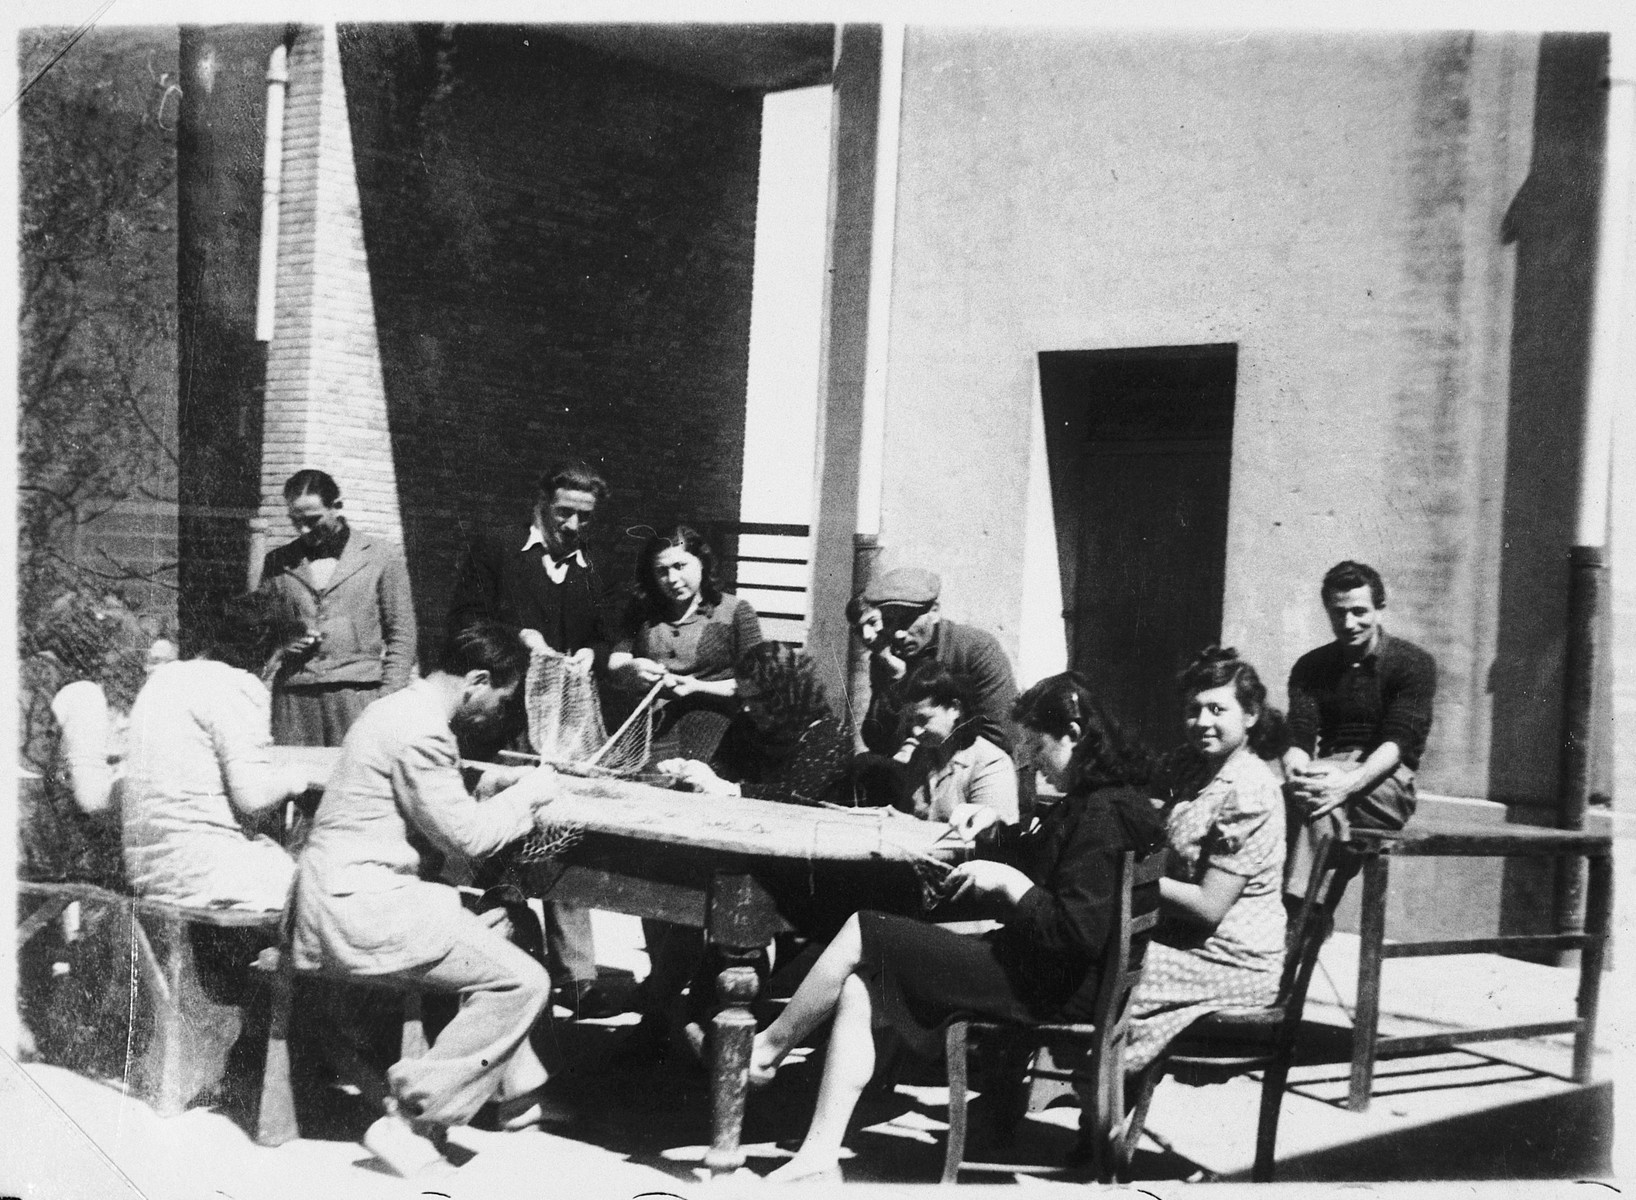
(1105, 1038)
(1236, 1041)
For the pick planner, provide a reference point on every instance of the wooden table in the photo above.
(735, 868)
(1428, 839)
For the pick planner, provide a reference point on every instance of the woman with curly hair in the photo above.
(82, 669)
(1220, 943)
(682, 632)
(1058, 880)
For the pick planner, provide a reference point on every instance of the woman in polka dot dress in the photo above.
(1220, 943)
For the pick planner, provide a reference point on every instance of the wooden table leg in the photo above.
(1366, 1023)
(734, 1029)
(1598, 906)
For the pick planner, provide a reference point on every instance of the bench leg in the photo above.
(1598, 906)
(955, 1047)
(163, 1065)
(275, 1115)
(193, 1031)
(1366, 1025)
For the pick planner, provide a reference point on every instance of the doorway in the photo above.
(1139, 447)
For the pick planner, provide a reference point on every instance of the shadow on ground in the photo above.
(613, 1091)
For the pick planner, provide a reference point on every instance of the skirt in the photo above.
(924, 976)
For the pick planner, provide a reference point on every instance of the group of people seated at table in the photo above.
(323, 652)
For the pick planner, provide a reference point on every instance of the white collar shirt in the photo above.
(555, 570)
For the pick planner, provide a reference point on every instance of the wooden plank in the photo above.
(316, 761)
(588, 887)
(1438, 839)
(1421, 1043)
(41, 917)
(1516, 941)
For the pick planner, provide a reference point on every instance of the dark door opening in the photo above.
(1139, 443)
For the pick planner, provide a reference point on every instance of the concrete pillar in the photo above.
(843, 358)
(325, 395)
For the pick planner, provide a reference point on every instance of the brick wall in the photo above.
(326, 404)
(560, 246)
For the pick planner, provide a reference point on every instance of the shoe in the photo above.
(587, 1001)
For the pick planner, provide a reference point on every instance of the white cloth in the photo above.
(199, 757)
(93, 744)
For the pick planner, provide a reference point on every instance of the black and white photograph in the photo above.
(641, 600)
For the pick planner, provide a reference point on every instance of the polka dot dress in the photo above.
(1232, 821)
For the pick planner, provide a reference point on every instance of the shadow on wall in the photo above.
(561, 249)
(1552, 221)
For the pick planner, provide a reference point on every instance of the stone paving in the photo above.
(635, 1129)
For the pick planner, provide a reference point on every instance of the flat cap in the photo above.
(903, 585)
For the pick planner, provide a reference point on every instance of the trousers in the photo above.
(1388, 805)
(484, 1053)
(318, 715)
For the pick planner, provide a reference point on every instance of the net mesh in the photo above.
(565, 721)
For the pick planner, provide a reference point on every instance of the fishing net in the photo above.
(565, 721)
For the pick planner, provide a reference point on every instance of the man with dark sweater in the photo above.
(1359, 711)
(902, 626)
(540, 581)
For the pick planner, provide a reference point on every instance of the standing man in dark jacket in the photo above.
(902, 627)
(540, 581)
(1360, 708)
(351, 591)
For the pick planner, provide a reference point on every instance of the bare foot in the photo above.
(806, 1170)
(764, 1062)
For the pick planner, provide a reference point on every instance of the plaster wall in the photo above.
(1333, 204)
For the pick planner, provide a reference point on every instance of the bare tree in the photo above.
(97, 343)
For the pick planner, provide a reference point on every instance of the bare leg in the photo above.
(811, 1005)
(848, 1067)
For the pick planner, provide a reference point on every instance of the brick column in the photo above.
(326, 401)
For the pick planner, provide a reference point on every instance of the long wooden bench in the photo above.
(193, 1031)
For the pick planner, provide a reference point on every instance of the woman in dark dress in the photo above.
(1059, 880)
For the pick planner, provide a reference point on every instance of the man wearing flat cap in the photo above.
(902, 627)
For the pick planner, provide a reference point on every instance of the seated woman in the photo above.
(200, 770)
(684, 633)
(942, 762)
(1220, 943)
(786, 743)
(80, 669)
(79, 679)
(1059, 880)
